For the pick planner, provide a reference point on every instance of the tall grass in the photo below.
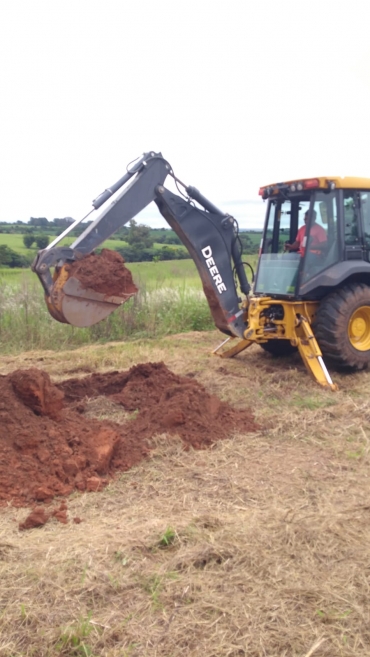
(25, 322)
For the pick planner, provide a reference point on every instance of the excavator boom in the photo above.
(210, 236)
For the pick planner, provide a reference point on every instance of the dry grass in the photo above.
(257, 547)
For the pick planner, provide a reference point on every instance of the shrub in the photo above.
(10, 258)
(28, 240)
(42, 241)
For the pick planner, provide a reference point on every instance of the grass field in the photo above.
(151, 274)
(170, 300)
(269, 550)
(15, 242)
(170, 272)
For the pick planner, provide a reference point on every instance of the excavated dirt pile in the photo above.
(48, 446)
(105, 273)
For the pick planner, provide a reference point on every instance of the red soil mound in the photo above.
(47, 449)
(167, 403)
(105, 273)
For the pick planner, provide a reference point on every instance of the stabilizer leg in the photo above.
(312, 356)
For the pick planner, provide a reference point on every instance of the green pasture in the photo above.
(15, 242)
(170, 300)
(255, 237)
(148, 275)
(112, 244)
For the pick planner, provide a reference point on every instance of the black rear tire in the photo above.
(278, 348)
(342, 326)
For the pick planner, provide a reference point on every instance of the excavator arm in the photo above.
(210, 236)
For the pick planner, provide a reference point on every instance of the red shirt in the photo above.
(317, 236)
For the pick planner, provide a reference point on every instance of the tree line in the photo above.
(138, 239)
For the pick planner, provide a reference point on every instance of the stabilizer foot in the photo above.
(232, 351)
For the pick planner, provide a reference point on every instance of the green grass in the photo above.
(15, 242)
(72, 640)
(255, 236)
(170, 300)
(168, 538)
(168, 273)
(14, 275)
(113, 244)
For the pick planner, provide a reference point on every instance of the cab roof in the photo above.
(348, 182)
(320, 182)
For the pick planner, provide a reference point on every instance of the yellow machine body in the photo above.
(295, 327)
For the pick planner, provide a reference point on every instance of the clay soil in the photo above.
(105, 273)
(48, 447)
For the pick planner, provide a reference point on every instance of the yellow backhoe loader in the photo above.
(311, 290)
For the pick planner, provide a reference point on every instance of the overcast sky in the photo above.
(234, 93)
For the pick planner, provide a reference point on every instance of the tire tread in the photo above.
(331, 326)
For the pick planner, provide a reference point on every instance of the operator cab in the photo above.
(337, 213)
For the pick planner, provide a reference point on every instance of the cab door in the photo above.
(277, 270)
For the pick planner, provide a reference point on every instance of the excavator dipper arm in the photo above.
(209, 235)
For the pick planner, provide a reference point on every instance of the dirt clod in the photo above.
(61, 513)
(37, 518)
(40, 515)
(48, 450)
(34, 388)
(105, 273)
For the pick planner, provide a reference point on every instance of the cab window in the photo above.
(365, 210)
(351, 219)
(284, 225)
(284, 219)
(322, 248)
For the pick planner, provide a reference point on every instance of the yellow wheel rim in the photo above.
(359, 329)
